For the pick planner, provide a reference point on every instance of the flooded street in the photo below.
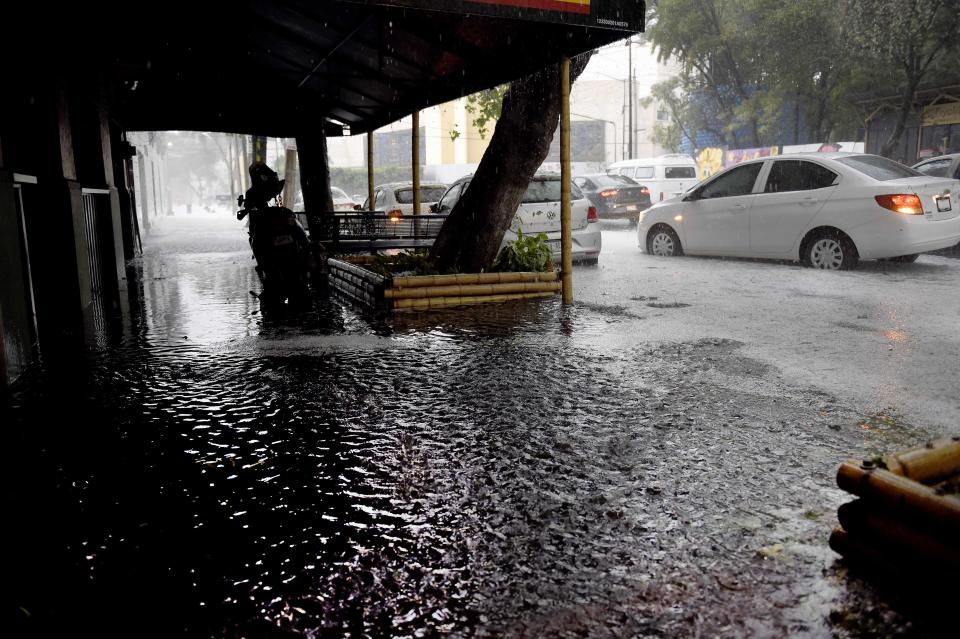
(657, 460)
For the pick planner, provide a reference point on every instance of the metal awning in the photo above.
(266, 66)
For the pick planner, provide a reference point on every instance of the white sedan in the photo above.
(827, 210)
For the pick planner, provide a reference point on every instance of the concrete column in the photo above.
(122, 152)
(314, 168)
(16, 312)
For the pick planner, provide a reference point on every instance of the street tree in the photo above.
(472, 233)
(757, 72)
(909, 41)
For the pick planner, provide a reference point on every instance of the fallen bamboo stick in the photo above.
(430, 303)
(899, 495)
(937, 460)
(473, 278)
(467, 290)
(861, 521)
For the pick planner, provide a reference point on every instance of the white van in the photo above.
(665, 176)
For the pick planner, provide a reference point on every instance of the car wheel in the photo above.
(663, 241)
(905, 259)
(830, 250)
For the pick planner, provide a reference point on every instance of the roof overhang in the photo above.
(271, 67)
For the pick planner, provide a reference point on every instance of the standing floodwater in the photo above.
(515, 470)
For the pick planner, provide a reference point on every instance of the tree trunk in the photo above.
(471, 235)
(906, 105)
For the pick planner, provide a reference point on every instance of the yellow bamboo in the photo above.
(900, 495)
(566, 232)
(858, 519)
(415, 162)
(370, 170)
(472, 278)
(926, 464)
(446, 302)
(471, 290)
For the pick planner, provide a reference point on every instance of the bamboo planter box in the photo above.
(906, 521)
(426, 292)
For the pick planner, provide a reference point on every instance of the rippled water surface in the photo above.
(204, 470)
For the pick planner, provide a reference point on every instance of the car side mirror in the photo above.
(691, 197)
(434, 207)
(357, 207)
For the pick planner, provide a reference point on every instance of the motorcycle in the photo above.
(279, 242)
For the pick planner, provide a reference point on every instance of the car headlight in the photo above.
(640, 217)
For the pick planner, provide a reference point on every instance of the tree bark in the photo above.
(906, 106)
(471, 235)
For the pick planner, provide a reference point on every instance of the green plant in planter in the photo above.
(409, 262)
(526, 253)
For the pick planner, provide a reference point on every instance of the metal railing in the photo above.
(362, 231)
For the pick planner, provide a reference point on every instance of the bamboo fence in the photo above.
(425, 292)
(907, 517)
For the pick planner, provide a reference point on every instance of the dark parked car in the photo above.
(616, 197)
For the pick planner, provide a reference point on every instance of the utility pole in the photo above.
(630, 91)
(636, 100)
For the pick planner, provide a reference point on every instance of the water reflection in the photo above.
(334, 472)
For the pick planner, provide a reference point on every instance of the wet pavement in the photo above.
(629, 466)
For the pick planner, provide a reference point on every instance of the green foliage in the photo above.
(743, 62)
(485, 107)
(526, 253)
(409, 262)
(904, 43)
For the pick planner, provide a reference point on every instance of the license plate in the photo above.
(943, 204)
(631, 207)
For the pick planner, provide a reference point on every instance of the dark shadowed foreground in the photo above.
(204, 471)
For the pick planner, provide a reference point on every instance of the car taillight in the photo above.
(394, 215)
(644, 190)
(592, 214)
(908, 204)
(610, 193)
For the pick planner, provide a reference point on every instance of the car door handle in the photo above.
(808, 201)
(738, 207)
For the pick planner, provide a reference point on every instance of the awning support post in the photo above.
(566, 237)
(370, 171)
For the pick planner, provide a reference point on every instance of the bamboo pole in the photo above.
(370, 171)
(858, 519)
(900, 495)
(422, 292)
(566, 236)
(473, 278)
(446, 302)
(415, 160)
(927, 464)
(357, 270)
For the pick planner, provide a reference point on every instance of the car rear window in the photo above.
(878, 168)
(427, 194)
(338, 193)
(679, 172)
(548, 190)
(935, 168)
(608, 180)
